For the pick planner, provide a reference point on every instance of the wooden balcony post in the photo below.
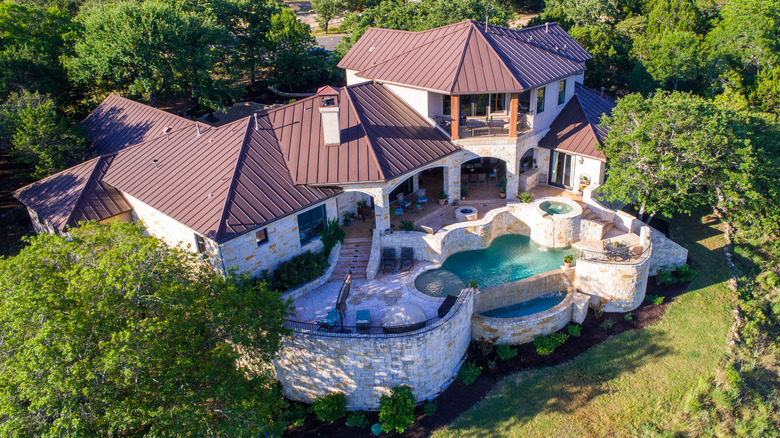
(455, 114)
(513, 115)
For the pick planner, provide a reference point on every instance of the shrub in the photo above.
(574, 329)
(525, 198)
(685, 273)
(396, 411)
(472, 284)
(608, 323)
(628, 317)
(547, 344)
(664, 276)
(331, 235)
(486, 345)
(298, 270)
(430, 408)
(297, 412)
(654, 299)
(469, 373)
(598, 308)
(330, 407)
(357, 419)
(464, 192)
(442, 195)
(505, 351)
(568, 258)
(407, 225)
(769, 280)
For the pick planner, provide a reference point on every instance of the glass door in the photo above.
(560, 170)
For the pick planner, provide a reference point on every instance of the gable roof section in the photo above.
(467, 57)
(381, 137)
(118, 122)
(74, 195)
(576, 129)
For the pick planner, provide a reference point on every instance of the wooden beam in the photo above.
(513, 115)
(455, 114)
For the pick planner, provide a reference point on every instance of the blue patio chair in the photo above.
(421, 198)
(399, 212)
(403, 203)
(363, 319)
(330, 321)
(493, 174)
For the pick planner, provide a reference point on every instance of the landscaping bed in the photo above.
(458, 398)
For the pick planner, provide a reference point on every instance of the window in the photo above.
(39, 218)
(561, 92)
(540, 100)
(261, 236)
(447, 105)
(200, 242)
(311, 223)
(524, 102)
(497, 103)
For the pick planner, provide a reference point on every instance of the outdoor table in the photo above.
(618, 252)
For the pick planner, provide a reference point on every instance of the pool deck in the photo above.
(374, 295)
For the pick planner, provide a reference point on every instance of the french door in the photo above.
(560, 170)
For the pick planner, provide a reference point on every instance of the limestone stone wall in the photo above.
(552, 231)
(364, 368)
(665, 252)
(591, 230)
(622, 284)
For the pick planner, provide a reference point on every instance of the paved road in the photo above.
(329, 42)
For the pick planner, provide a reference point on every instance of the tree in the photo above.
(152, 48)
(41, 139)
(327, 10)
(111, 333)
(585, 12)
(670, 55)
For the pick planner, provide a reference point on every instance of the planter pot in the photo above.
(441, 201)
(347, 223)
(502, 195)
(567, 265)
(462, 198)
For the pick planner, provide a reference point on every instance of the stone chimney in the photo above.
(331, 130)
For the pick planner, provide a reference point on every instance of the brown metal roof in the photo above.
(74, 195)
(118, 122)
(467, 57)
(576, 129)
(381, 137)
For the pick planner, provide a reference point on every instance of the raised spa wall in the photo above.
(521, 330)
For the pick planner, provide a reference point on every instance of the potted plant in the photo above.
(463, 193)
(568, 259)
(442, 197)
(502, 188)
(362, 204)
(348, 218)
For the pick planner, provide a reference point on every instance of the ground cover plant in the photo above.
(330, 407)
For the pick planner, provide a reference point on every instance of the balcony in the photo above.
(495, 126)
(496, 115)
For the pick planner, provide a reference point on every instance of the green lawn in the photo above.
(632, 380)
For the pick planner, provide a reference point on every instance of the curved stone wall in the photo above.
(622, 284)
(364, 367)
(555, 231)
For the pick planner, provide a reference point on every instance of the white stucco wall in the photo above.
(417, 99)
(543, 121)
(352, 78)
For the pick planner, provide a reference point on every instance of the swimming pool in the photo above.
(509, 258)
(536, 305)
(552, 207)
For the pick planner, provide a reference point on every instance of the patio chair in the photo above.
(421, 197)
(330, 320)
(399, 212)
(606, 246)
(478, 125)
(493, 175)
(445, 307)
(363, 319)
(388, 260)
(474, 179)
(482, 179)
(407, 259)
(464, 179)
(401, 201)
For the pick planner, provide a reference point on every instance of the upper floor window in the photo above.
(561, 92)
(540, 100)
(261, 236)
(497, 103)
(524, 102)
(311, 223)
(200, 243)
(447, 105)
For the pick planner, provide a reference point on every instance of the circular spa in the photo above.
(509, 258)
(554, 207)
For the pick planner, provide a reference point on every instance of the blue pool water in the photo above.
(509, 258)
(536, 305)
(552, 207)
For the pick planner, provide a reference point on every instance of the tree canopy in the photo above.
(110, 333)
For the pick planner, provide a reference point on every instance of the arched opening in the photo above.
(419, 196)
(527, 161)
(483, 179)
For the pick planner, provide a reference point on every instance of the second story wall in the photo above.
(542, 121)
(352, 78)
(417, 99)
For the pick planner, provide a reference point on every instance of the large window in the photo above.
(200, 242)
(524, 102)
(480, 104)
(497, 103)
(311, 223)
(261, 236)
(540, 100)
(561, 92)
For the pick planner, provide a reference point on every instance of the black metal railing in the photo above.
(634, 255)
(340, 331)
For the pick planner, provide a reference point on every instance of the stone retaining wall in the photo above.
(305, 288)
(520, 291)
(623, 285)
(364, 368)
(665, 252)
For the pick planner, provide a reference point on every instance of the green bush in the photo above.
(331, 235)
(769, 280)
(298, 270)
(469, 373)
(396, 411)
(505, 351)
(297, 412)
(607, 323)
(430, 408)
(685, 273)
(547, 344)
(574, 329)
(525, 198)
(407, 225)
(654, 299)
(330, 407)
(472, 284)
(357, 419)
(665, 277)
(628, 317)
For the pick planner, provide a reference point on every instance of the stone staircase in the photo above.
(588, 214)
(353, 256)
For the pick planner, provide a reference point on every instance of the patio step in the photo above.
(353, 257)
(606, 229)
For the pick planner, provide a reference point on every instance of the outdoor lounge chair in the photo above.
(388, 260)
(330, 321)
(407, 259)
(401, 201)
(482, 179)
(445, 307)
(493, 175)
(421, 197)
(399, 212)
(363, 319)
(473, 178)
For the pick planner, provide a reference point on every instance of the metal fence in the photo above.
(633, 256)
(340, 331)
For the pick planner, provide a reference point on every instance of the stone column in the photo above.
(511, 179)
(416, 182)
(452, 181)
(513, 115)
(382, 212)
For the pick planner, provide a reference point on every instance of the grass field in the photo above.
(630, 384)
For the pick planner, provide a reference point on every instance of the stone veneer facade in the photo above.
(366, 367)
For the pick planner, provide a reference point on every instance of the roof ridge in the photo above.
(501, 58)
(81, 193)
(231, 188)
(135, 102)
(587, 119)
(371, 149)
(513, 35)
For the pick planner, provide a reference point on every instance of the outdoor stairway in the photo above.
(589, 215)
(353, 256)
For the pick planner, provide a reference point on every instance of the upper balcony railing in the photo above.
(484, 126)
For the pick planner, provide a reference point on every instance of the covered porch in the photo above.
(485, 115)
